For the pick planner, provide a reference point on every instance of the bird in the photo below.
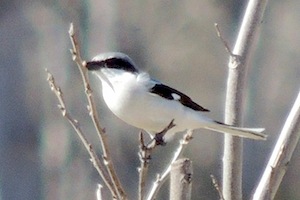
(148, 104)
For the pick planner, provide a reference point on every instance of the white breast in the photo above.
(128, 97)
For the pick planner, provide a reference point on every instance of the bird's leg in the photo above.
(159, 137)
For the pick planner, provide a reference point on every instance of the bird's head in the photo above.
(112, 60)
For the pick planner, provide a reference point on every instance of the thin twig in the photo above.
(234, 57)
(223, 40)
(94, 115)
(99, 192)
(160, 179)
(100, 167)
(217, 186)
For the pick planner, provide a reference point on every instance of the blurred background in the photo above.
(175, 41)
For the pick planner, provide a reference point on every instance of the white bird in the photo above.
(136, 98)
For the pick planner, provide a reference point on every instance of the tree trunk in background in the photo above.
(19, 166)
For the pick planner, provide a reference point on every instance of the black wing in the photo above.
(172, 94)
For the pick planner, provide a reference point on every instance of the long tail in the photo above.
(252, 133)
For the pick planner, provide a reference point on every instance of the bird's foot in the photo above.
(159, 137)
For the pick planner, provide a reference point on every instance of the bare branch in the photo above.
(223, 40)
(233, 146)
(94, 115)
(162, 178)
(217, 186)
(181, 179)
(145, 155)
(99, 192)
(94, 158)
(281, 156)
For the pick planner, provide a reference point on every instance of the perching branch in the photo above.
(145, 156)
(233, 146)
(281, 156)
(94, 115)
(100, 167)
(163, 177)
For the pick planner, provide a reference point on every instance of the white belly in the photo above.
(149, 111)
(137, 107)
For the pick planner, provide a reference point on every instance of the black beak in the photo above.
(94, 65)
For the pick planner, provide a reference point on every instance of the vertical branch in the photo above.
(181, 179)
(99, 192)
(281, 156)
(94, 115)
(232, 159)
(145, 156)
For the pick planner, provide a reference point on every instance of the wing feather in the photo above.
(173, 94)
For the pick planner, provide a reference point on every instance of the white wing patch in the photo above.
(176, 96)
